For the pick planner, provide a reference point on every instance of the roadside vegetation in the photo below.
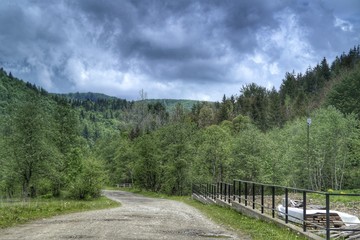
(256, 229)
(18, 212)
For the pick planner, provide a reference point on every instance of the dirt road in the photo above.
(138, 218)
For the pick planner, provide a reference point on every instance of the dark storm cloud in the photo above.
(318, 20)
(178, 49)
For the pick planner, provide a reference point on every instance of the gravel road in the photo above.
(138, 218)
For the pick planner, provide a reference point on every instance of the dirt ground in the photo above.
(138, 218)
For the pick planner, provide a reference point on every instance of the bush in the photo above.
(89, 182)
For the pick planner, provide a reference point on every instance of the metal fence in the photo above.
(323, 219)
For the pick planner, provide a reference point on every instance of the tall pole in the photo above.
(308, 138)
(308, 148)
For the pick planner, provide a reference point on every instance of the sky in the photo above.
(175, 49)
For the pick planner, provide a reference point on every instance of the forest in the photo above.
(72, 145)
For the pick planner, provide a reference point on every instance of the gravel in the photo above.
(138, 218)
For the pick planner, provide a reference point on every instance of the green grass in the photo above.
(12, 213)
(345, 199)
(256, 229)
(342, 198)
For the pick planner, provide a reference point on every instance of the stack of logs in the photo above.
(318, 220)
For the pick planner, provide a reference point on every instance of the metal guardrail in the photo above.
(264, 197)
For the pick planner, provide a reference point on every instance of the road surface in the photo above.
(138, 218)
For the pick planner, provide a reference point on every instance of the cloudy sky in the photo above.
(180, 49)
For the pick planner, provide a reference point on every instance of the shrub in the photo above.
(89, 181)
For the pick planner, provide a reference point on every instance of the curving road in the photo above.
(138, 218)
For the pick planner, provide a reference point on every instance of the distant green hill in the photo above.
(168, 103)
(87, 96)
(171, 103)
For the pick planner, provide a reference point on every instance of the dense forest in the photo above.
(73, 144)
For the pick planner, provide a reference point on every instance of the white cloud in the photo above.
(45, 77)
(346, 26)
(283, 49)
(274, 68)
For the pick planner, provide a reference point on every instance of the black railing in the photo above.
(265, 199)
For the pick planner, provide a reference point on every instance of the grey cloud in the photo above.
(142, 43)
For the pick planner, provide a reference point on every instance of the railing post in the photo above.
(253, 195)
(221, 190)
(273, 201)
(246, 193)
(208, 190)
(214, 191)
(225, 191)
(327, 216)
(262, 199)
(304, 211)
(229, 192)
(239, 192)
(286, 206)
(234, 190)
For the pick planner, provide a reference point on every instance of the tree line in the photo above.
(53, 145)
(260, 135)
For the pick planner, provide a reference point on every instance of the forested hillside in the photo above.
(41, 150)
(51, 144)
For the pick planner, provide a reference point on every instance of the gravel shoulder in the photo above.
(139, 217)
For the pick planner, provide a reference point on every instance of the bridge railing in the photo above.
(266, 199)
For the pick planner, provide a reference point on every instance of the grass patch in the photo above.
(256, 229)
(12, 213)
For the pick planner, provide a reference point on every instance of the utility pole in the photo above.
(308, 149)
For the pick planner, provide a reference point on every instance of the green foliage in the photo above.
(241, 123)
(147, 169)
(253, 102)
(249, 150)
(323, 160)
(41, 148)
(345, 95)
(89, 181)
(116, 152)
(30, 145)
(49, 141)
(213, 155)
(170, 104)
(175, 143)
